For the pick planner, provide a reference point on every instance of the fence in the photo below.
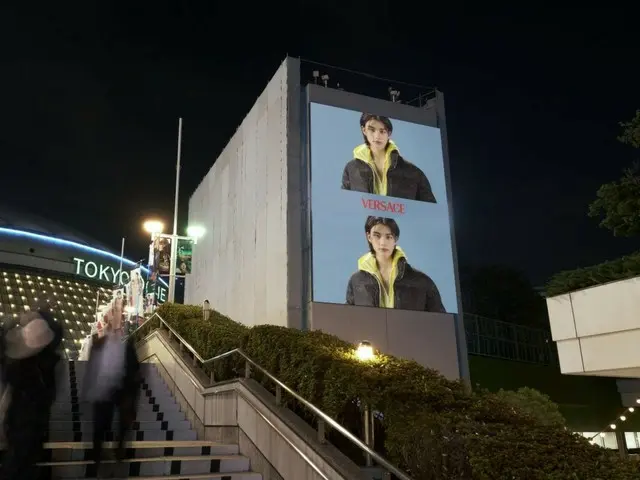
(495, 338)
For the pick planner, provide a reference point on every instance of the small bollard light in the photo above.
(206, 310)
(365, 352)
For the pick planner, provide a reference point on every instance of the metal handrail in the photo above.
(319, 413)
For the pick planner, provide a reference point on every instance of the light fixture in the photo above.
(613, 426)
(196, 232)
(153, 226)
(623, 418)
(365, 352)
(631, 409)
(206, 310)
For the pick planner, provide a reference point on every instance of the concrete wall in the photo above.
(246, 202)
(597, 329)
(428, 338)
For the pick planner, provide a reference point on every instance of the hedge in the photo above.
(431, 427)
(613, 270)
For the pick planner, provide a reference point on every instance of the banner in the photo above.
(183, 260)
(380, 225)
(136, 293)
(161, 255)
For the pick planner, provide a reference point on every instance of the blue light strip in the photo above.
(68, 243)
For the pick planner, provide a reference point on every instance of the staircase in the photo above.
(162, 444)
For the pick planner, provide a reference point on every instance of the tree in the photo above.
(617, 203)
(505, 294)
(535, 404)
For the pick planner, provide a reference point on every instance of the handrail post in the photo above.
(278, 395)
(367, 434)
(211, 376)
(195, 361)
(322, 438)
(247, 369)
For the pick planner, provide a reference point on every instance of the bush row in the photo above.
(432, 427)
(571, 280)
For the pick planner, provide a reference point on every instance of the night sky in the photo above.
(90, 96)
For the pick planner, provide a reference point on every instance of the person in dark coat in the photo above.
(28, 369)
(123, 396)
(385, 278)
(378, 168)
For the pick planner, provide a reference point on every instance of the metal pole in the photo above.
(367, 434)
(174, 239)
(119, 279)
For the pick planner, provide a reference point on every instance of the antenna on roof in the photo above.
(316, 75)
(394, 94)
(325, 79)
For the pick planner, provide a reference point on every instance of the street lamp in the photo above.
(154, 227)
(195, 232)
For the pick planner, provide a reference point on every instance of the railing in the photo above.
(498, 339)
(323, 418)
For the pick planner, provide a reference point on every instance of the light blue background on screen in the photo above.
(338, 216)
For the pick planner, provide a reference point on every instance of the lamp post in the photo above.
(366, 353)
(206, 310)
(155, 228)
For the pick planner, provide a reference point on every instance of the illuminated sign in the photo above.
(99, 271)
(106, 273)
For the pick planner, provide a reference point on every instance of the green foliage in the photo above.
(618, 204)
(571, 280)
(535, 404)
(631, 131)
(433, 428)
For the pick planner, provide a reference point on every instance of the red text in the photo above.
(383, 206)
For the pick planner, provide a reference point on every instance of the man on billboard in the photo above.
(378, 167)
(385, 278)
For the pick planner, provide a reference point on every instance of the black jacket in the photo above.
(413, 290)
(404, 179)
(36, 375)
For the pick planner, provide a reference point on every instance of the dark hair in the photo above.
(387, 222)
(366, 117)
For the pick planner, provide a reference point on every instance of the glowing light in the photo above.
(153, 226)
(195, 231)
(365, 352)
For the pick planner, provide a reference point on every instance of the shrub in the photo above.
(571, 280)
(432, 427)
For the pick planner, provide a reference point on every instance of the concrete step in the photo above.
(142, 416)
(148, 404)
(206, 476)
(154, 466)
(87, 426)
(139, 435)
(68, 451)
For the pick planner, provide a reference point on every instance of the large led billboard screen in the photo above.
(380, 216)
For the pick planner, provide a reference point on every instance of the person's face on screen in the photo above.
(382, 240)
(377, 135)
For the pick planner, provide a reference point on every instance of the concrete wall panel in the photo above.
(241, 264)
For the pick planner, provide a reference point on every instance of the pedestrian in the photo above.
(29, 358)
(112, 381)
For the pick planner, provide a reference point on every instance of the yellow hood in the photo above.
(363, 153)
(367, 263)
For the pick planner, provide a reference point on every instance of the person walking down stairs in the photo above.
(112, 381)
(28, 357)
